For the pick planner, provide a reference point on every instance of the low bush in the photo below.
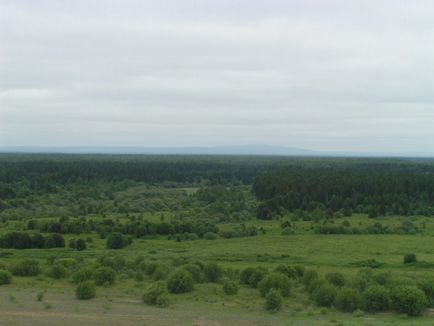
(58, 271)
(275, 281)
(309, 276)
(252, 276)
(212, 272)
(104, 276)
(335, 278)
(157, 295)
(409, 300)
(160, 272)
(273, 300)
(194, 270)
(325, 294)
(347, 299)
(409, 258)
(27, 267)
(85, 290)
(229, 287)
(82, 275)
(376, 298)
(5, 277)
(180, 281)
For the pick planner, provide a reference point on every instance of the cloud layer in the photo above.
(325, 75)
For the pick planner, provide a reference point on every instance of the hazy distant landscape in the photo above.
(216, 163)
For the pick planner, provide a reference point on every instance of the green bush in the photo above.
(27, 267)
(104, 276)
(325, 294)
(5, 277)
(180, 281)
(252, 276)
(409, 258)
(116, 240)
(160, 272)
(335, 278)
(85, 290)
(347, 299)
(275, 281)
(229, 287)
(409, 300)
(273, 300)
(194, 270)
(309, 276)
(157, 295)
(82, 275)
(376, 298)
(80, 244)
(58, 271)
(427, 286)
(212, 272)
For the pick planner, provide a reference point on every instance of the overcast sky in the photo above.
(323, 75)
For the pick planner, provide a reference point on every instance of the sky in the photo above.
(323, 75)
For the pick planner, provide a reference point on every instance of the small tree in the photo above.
(85, 290)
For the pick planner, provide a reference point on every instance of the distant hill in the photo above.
(211, 150)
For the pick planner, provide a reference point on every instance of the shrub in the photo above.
(229, 287)
(116, 263)
(252, 276)
(376, 298)
(80, 245)
(336, 279)
(212, 272)
(309, 276)
(104, 276)
(27, 267)
(194, 270)
(157, 294)
(409, 258)
(160, 272)
(427, 286)
(54, 240)
(85, 290)
(348, 299)
(210, 236)
(409, 300)
(325, 294)
(82, 275)
(58, 271)
(273, 300)
(286, 270)
(116, 240)
(275, 281)
(180, 281)
(5, 277)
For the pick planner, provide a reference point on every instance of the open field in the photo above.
(100, 209)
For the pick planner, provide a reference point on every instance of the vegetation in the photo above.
(321, 239)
